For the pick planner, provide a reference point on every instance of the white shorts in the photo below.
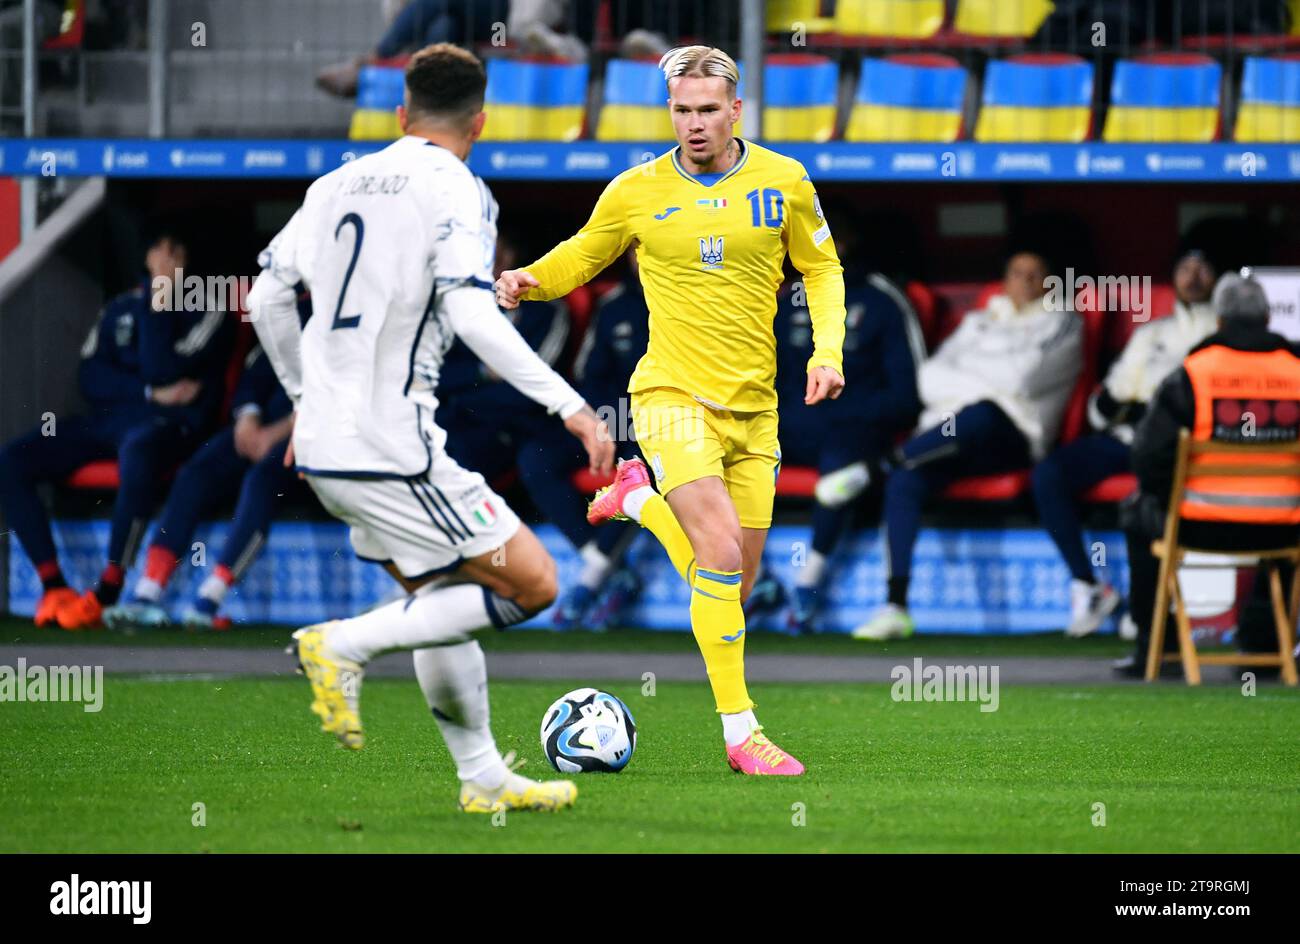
(423, 526)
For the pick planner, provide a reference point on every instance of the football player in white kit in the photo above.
(397, 249)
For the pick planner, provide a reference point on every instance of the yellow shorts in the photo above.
(683, 440)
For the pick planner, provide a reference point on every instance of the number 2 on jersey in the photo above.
(351, 321)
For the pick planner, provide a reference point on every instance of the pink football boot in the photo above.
(631, 474)
(760, 756)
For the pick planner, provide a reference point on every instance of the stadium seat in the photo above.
(1036, 97)
(908, 98)
(1075, 421)
(1121, 324)
(926, 305)
(1269, 107)
(72, 28)
(535, 101)
(1165, 97)
(793, 481)
(1112, 490)
(635, 103)
(1008, 18)
(897, 19)
(98, 476)
(800, 94)
(783, 16)
(379, 92)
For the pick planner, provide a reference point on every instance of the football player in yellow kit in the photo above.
(712, 221)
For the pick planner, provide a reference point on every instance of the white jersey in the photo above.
(397, 249)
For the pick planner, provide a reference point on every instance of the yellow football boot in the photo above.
(518, 793)
(335, 685)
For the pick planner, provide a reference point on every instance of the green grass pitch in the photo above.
(1177, 770)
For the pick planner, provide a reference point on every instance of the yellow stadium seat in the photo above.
(527, 123)
(1185, 125)
(1013, 123)
(783, 13)
(886, 123)
(634, 123)
(1001, 17)
(1265, 122)
(373, 125)
(901, 19)
(796, 124)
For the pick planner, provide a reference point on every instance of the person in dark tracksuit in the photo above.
(152, 379)
(245, 458)
(844, 439)
(494, 428)
(614, 342)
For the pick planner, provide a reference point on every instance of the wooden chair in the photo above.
(1277, 459)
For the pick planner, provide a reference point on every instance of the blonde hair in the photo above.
(706, 62)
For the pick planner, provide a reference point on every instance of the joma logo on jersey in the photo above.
(711, 251)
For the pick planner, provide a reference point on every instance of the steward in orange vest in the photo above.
(1239, 385)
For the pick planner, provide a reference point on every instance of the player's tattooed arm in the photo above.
(595, 437)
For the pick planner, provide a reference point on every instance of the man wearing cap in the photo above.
(1155, 350)
(1239, 385)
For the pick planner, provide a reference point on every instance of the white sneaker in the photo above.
(840, 487)
(891, 621)
(1090, 605)
(1128, 630)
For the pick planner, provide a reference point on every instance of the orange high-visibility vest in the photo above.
(1250, 397)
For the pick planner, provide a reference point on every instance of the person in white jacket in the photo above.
(993, 396)
(1155, 350)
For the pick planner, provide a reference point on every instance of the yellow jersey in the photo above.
(711, 252)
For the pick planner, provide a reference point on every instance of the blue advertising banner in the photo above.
(600, 161)
(963, 580)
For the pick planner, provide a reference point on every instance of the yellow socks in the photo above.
(717, 619)
(658, 517)
(718, 623)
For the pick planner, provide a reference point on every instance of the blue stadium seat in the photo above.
(535, 101)
(800, 93)
(1165, 97)
(908, 98)
(379, 92)
(635, 104)
(1036, 97)
(1269, 107)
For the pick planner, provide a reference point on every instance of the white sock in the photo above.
(635, 500)
(454, 682)
(813, 568)
(595, 566)
(146, 589)
(432, 616)
(738, 727)
(213, 588)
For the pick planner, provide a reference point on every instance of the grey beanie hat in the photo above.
(1240, 297)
